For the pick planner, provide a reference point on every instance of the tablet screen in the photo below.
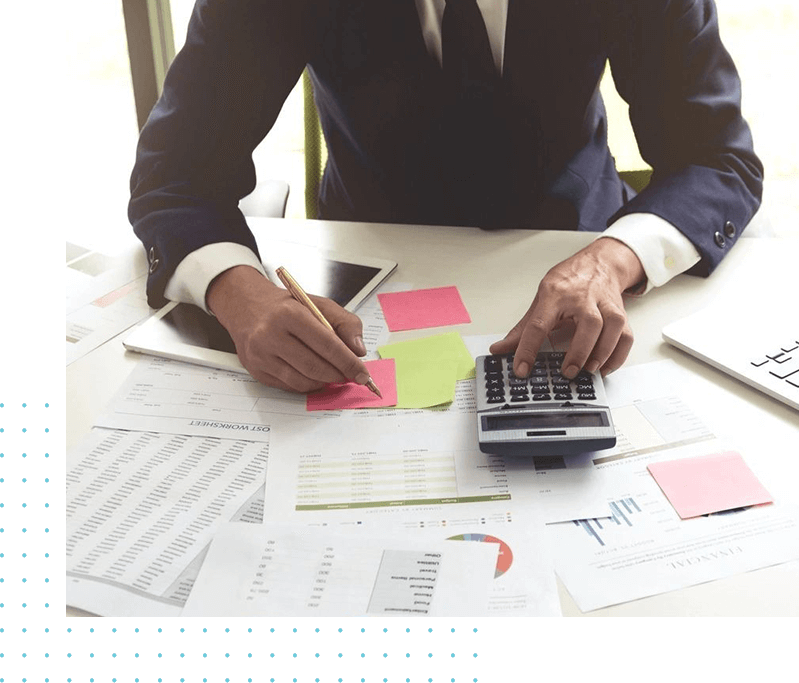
(336, 280)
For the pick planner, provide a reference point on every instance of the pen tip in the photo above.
(373, 388)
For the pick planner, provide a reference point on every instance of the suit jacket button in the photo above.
(718, 238)
(729, 229)
(154, 261)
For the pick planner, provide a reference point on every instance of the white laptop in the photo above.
(756, 346)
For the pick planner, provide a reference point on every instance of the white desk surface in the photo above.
(497, 274)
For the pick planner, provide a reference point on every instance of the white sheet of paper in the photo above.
(273, 570)
(142, 508)
(181, 398)
(98, 321)
(524, 581)
(175, 397)
(561, 488)
(92, 275)
(645, 548)
(413, 476)
(104, 297)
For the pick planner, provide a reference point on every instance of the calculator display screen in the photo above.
(493, 423)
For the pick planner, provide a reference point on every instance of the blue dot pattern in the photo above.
(379, 651)
(37, 644)
(28, 601)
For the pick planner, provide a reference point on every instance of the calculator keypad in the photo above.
(543, 414)
(545, 382)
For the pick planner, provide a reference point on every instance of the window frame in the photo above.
(151, 48)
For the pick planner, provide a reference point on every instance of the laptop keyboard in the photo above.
(783, 363)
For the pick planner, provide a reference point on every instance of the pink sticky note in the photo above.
(423, 308)
(352, 395)
(708, 483)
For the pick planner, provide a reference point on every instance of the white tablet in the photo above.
(185, 332)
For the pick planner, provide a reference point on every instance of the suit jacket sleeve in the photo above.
(221, 96)
(684, 93)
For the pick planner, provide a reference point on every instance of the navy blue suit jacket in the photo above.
(401, 149)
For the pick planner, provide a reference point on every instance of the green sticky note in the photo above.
(440, 347)
(427, 369)
(424, 384)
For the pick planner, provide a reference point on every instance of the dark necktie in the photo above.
(473, 132)
(467, 61)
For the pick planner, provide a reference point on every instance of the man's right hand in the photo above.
(279, 341)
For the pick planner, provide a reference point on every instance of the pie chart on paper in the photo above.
(505, 556)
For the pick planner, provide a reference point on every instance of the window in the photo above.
(86, 144)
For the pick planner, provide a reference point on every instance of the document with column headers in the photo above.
(141, 509)
(284, 570)
(173, 397)
(182, 398)
(104, 296)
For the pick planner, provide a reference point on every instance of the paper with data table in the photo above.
(389, 470)
(401, 459)
(104, 296)
(172, 397)
(432, 475)
(274, 570)
(181, 398)
(522, 581)
(524, 577)
(141, 508)
(644, 548)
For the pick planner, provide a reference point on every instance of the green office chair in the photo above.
(314, 148)
(637, 180)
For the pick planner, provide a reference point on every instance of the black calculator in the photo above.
(543, 414)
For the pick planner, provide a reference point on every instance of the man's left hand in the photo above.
(586, 291)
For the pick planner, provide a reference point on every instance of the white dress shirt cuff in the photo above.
(191, 279)
(662, 249)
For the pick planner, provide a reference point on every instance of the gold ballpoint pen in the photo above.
(299, 294)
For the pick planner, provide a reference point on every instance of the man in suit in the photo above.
(460, 112)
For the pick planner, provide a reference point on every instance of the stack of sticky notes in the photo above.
(423, 308)
(349, 395)
(707, 484)
(415, 374)
(427, 369)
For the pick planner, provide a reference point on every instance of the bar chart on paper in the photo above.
(643, 428)
(623, 514)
